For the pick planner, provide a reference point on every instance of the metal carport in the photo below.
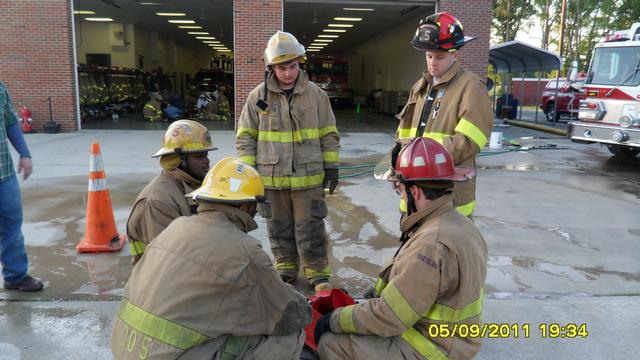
(515, 56)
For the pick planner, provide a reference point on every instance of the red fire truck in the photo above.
(610, 111)
(332, 75)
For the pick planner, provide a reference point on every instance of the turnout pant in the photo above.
(295, 224)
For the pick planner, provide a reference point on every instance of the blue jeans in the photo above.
(13, 255)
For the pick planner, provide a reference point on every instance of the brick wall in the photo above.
(475, 16)
(36, 59)
(254, 23)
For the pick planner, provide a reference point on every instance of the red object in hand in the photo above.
(321, 303)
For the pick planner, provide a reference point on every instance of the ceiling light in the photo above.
(358, 9)
(190, 27)
(226, 50)
(329, 36)
(198, 33)
(84, 12)
(314, 50)
(341, 25)
(317, 44)
(334, 30)
(182, 21)
(315, 47)
(346, 19)
(323, 40)
(170, 14)
(219, 46)
(98, 19)
(211, 42)
(150, 3)
(205, 37)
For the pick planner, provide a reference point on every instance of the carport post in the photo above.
(521, 95)
(537, 96)
(555, 97)
(495, 85)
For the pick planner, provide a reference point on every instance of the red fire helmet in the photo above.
(425, 159)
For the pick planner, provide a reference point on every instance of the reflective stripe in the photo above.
(97, 184)
(168, 332)
(470, 130)
(439, 137)
(467, 209)
(149, 106)
(298, 135)
(403, 205)
(310, 273)
(250, 159)
(407, 133)
(249, 131)
(95, 163)
(441, 312)
(346, 320)
(422, 345)
(380, 285)
(399, 305)
(136, 247)
(330, 156)
(233, 347)
(286, 266)
(293, 181)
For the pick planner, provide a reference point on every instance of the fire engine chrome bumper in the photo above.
(596, 133)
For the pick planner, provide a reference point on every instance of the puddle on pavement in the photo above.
(510, 167)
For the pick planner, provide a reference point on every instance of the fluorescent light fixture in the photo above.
(329, 36)
(205, 37)
(182, 21)
(317, 44)
(334, 30)
(170, 14)
(341, 25)
(226, 50)
(190, 27)
(358, 9)
(211, 41)
(314, 50)
(346, 19)
(323, 40)
(150, 3)
(198, 33)
(217, 46)
(103, 19)
(84, 12)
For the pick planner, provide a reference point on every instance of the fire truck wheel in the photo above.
(551, 114)
(624, 151)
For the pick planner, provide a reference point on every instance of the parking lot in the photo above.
(560, 220)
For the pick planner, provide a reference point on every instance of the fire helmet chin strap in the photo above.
(262, 103)
(411, 208)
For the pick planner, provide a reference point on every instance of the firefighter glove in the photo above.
(322, 326)
(330, 180)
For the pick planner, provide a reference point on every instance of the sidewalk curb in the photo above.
(538, 127)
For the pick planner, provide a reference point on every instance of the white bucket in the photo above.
(495, 142)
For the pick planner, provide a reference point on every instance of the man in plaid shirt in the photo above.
(13, 254)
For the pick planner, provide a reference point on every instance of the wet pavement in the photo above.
(560, 222)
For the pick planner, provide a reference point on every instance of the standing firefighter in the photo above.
(434, 282)
(288, 131)
(448, 104)
(184, 161)
(207, 290)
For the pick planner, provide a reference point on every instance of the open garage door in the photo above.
(359, 52)
(188, 44)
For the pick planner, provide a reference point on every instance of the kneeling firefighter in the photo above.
(205, 289)
(435, 279)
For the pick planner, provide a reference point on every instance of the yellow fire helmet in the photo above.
(185, 136)
(283, 47)
(230, 181)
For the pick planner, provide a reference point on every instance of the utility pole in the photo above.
(562, 21)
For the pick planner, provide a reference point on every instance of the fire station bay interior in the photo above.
(360, 54)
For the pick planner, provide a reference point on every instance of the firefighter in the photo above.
(434, 282)
(448, 103)
(288, 131)
(207, 290)
(152, 110)
(185, 162)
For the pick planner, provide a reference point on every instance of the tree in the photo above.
(509, 16)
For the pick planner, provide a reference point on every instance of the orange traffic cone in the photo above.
(101, 234)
